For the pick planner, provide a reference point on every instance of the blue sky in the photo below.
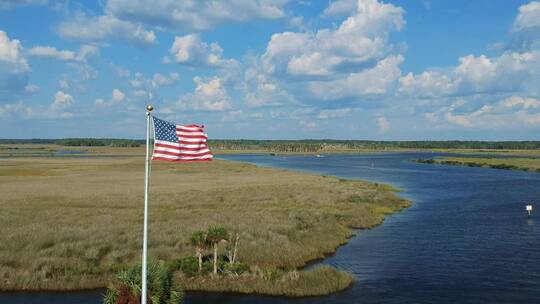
(273, 69)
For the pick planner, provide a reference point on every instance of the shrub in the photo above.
(127, 289)
(174, 265)
(236, 268)
(188, 265)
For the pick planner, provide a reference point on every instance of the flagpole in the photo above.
(149, 109)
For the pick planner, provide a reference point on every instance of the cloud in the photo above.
(144, 86)
(16, 109)
(511, 71)
(261, 90)
(528, 16)
(334, 113)
(515, 70)
(194, 15)
(353, 61)
(358, 41)
(513, 111)
(524, 103)
(209, 95)
(464, 120)
(99, 28)
(61, 101)
(14, 67)
(427, 84)
(190, 50)
(31, 88)
(340, 8)
(57, 109)
(373, 82)
(160, 80)
(48, 51)
(383, 124)
(117, 96)
(6, 4)
(11, 54)
(76, 60)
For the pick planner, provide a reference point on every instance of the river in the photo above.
(466, 239)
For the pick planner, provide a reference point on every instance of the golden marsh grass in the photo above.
(72, 222)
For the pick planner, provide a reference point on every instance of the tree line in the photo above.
(306, 145)
(78, 142)
(311, 145)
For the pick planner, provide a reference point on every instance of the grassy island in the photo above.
(72, 223)
(507, 163)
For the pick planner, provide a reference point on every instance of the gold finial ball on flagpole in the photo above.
(149, 108)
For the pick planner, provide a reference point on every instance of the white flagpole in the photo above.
(149, 109)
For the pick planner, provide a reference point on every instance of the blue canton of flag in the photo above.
(164, 130)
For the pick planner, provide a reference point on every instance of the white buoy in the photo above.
(529, 209)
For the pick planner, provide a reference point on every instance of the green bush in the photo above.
(188, 265)
(236, 268)
(174, 265)
(128, 287)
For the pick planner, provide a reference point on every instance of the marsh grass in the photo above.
(72, 223)
(319, 281)
(509, 163)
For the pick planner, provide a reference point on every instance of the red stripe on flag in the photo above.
(182, 160)
(192, 136)
(181, 154)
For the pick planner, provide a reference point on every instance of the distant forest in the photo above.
(78, 142)
(308, 145)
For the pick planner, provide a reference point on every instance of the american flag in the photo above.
(179, 143)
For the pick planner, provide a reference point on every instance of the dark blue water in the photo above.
(466, 239)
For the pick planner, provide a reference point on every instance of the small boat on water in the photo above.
(318, 155)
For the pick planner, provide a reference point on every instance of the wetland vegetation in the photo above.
(507, 163)
(73, 222)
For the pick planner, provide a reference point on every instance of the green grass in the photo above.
(72, 223)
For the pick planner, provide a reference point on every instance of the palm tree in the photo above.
(214, 236)
(231, 248)
(198, 239)
(127, 288)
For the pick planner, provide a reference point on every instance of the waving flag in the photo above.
(179, 143)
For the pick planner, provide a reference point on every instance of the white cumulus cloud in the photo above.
(194, 15)
(11, 53)
(14, 68)
(511, 71)
(209, 95)
(117, 96)
(62, 100)
(340, 7)
(100, 28)
(351, 61)
(190, 50)
(359, 40)
(528, 16)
